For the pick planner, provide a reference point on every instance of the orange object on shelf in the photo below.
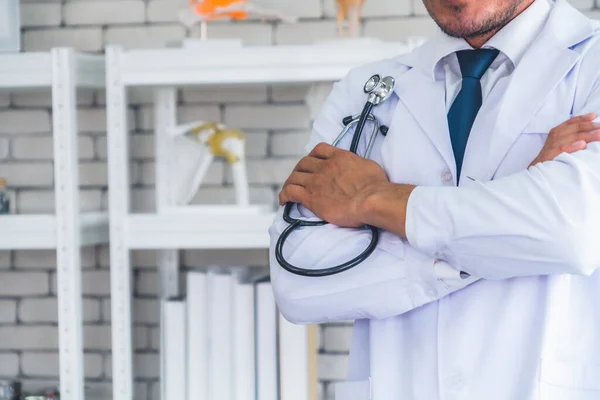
(348, 10)
(217, 9)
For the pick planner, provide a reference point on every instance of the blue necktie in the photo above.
(473, 64)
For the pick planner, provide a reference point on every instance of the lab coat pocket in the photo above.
(569, 381)
(353, 390)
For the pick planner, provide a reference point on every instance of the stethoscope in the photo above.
(378, 90)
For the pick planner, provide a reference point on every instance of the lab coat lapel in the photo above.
(425, 99)
(546, 63)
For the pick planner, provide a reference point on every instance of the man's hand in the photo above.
(334, 184)
(569, 137)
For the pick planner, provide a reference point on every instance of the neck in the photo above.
(477, 42)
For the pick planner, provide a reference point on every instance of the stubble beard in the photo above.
(475, 29)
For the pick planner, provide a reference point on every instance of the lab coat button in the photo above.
(457, 382)
(447, 177)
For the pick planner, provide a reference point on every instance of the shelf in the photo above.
(198, 231)
(170, 230)
(62, 71)
(252, 64)
(27, 232)
(34, 70)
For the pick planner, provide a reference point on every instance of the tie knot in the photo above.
(474, 63)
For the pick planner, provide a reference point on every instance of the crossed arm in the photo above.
(544, 220)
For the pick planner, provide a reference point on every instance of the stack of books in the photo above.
(226, 340)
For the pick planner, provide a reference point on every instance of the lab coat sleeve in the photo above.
(541, 221)
(396, 278)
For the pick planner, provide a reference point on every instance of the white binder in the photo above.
(293, 361)
(197, 336)
(243, 341)
(266, 343)
(220, 337)
(174, 346)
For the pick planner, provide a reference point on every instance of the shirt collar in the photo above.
(526, 27)
(517, 36)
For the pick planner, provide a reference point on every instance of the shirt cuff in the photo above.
(428, 219)
(429, 228)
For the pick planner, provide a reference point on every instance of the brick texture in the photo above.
(103, 12)
(37, 15)
(23, 283)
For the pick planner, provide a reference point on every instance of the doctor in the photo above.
(516, 206)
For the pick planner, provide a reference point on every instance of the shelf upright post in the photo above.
(165, 117)
(68, 235)
(119, 204)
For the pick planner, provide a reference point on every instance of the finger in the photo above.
(582, 118)
(576, 128)
(308, 165)
(293, 194)
(593, 136)
(587, 126)
(323, 151)
(298, 178)
(569, 147)
(573, 147)
(566, 127)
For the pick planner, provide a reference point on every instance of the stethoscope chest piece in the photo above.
(379, 89)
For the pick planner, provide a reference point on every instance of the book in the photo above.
(197, 335)
(174, 347)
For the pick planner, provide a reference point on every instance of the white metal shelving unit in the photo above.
(67, 230)
(166, 231)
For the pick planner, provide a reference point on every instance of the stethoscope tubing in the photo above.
(294, 223)
(315, 273)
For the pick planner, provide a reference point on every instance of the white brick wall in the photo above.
(85, 39)
(46, 364)
(28, 337)
(143, 35)
(104, 12)
(38, 15)
(23, 283)
(8, 311)
(9, 364)
(46, 310)
(275, 119)
(24, 121)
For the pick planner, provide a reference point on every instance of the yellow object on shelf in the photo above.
(219, 140)
(196, 146)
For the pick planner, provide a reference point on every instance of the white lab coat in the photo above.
(526, 325)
